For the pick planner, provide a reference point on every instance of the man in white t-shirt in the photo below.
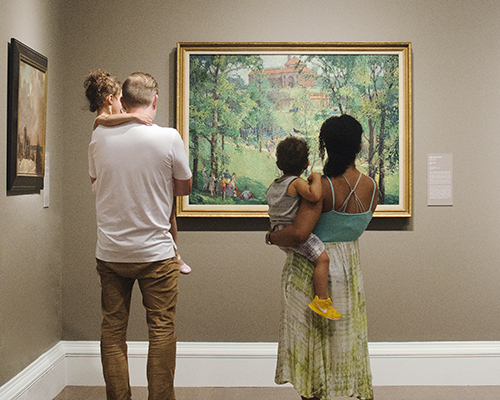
(137, 170)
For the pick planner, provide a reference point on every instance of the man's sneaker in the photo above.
(324, 308)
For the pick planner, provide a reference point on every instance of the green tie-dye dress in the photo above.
(320, 357)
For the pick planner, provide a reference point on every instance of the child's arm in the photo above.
(311, 192)
(118, 119)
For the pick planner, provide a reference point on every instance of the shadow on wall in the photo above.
(262, 224)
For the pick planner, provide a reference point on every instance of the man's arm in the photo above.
(182, 188)
(173, 224)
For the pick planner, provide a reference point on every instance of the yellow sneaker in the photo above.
(324, 308)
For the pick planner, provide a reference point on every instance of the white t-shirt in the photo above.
(134, 165)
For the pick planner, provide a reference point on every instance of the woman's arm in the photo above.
(301, 228)
(118, 119)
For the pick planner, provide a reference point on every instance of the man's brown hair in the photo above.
(139, 89)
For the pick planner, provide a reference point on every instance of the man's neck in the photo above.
(141, 110)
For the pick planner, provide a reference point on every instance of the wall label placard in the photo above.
(440, 179)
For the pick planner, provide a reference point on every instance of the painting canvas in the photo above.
(27, 119)
(236, 101)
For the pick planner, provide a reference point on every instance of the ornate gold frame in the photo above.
(404, 70)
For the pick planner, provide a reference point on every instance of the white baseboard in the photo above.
(41, 380)
(198, 364)
(435, 363)
(253, 365)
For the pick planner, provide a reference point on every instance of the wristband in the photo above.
(268, 238)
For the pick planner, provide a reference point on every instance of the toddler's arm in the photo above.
(311, 192)
(118, 119)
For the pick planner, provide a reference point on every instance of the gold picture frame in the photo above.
(236, 100)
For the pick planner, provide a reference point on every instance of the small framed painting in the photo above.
(26, 120)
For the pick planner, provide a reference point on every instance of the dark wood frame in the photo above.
(19, 183)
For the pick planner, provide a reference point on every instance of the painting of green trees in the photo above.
(242, 105)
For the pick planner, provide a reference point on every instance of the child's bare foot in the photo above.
(183, 267)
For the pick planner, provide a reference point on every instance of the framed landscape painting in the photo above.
(26, 121)
(236, 101)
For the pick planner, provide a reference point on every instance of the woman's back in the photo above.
(355, 200)
(342, 186)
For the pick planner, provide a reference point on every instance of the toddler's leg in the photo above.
(322, 304)
(320, 276)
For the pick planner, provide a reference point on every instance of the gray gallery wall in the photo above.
(31, 237)
(433, 277)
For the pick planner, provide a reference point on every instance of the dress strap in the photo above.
(373, 195)
(359, 204)
(333, 193)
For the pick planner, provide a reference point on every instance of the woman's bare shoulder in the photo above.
(368, 189)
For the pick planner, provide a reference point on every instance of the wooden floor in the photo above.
(288, 393)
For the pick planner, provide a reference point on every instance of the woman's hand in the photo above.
(301, 228)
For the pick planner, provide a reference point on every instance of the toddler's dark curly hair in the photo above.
(292, 155)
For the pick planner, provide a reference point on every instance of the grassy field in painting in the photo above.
(253, 168)
(256, 170)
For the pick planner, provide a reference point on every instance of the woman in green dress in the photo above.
(321, 358)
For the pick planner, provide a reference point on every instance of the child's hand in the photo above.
(315, 176)
(143, 118)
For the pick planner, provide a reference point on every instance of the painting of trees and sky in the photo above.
(242, 105)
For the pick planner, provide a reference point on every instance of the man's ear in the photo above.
(109, 99)
(155, 101)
